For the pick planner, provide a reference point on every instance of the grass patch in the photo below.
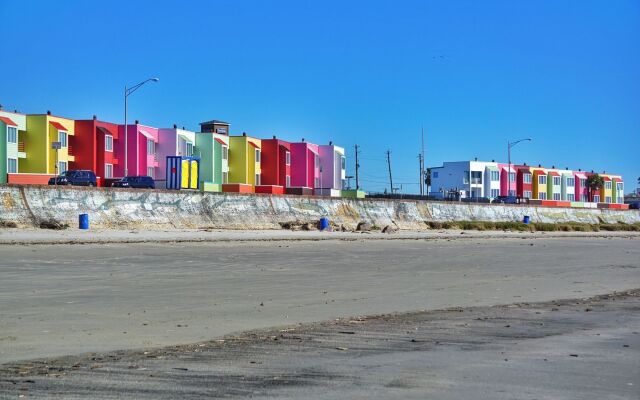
(532, 227)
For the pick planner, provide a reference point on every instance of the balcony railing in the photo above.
(21, 147)
(70, 150)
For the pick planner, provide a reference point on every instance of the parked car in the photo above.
(139, 182)
(80, 177)
(475, 200)
(634, 204)
(507, 200)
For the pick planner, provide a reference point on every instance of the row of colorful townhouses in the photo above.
(226, 163)
(482, 179)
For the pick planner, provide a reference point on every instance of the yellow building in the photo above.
(42, 131)
(539, 183)
(244, 160)
(606, 195)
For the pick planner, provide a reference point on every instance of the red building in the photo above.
(276, 163)
(94, 147)
(524, 179)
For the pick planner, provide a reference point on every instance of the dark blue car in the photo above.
(79, 177)
(138, 182)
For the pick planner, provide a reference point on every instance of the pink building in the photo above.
(581, 189)
(305, 165)
(141, 151)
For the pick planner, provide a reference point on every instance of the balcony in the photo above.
(21, 152)
(70, 150)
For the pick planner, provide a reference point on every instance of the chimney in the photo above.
(525, 164)
(0, 106)
(302, 140)
(274, 136)
(137, 122)
(330, 143)
(175, 126)
(244, 133)
(493, 160)
(592, 171)
(539, 165)
(183, 128)
(48, 112)
(579, 169)
(553, 167)
(476, 159)
(95, 117)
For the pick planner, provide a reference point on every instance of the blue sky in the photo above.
(473, 73)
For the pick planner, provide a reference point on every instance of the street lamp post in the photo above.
(127, 92)
(509, 146)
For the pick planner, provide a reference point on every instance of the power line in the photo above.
(389, 164)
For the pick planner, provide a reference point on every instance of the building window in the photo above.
(108, 170)
(542, 180)
(476, 177)
(108, 143)
(12, 165)
(257, 155)
(287, 158)
(556, 181)
(151, 148)
(584, 197)
(542, 195)
(596, 198)
(512, 176)
(62, 167)
(527, 193)
(495, 192)
(150, 171)
(556, 196)
(434, 174)
(225, 152)
(316, 161)
(607, 199)
(583, 182)
(189, 149)
(225, 177)
(343, 162)
(512, 192)
(288, 181)
(222, 131)
(571, 182)
(619, 187)
(257, 179)
(316, 183)
(495, 176)
(465, 178)
(607, 185)
(12, 134)
(62, 138)
(571, 197)
(526, 178)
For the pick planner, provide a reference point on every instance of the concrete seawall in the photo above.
(125, 208)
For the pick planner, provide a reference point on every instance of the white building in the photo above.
(470, 178)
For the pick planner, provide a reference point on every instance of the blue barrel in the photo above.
(83, 221)
(324, 223)
(526, 219)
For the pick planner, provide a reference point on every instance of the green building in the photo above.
(13, 127)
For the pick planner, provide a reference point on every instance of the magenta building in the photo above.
(305, 165)
(142, 142)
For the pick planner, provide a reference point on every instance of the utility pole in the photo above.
(422, 171)
(357, 167)
(389, 164)
(421, 174)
